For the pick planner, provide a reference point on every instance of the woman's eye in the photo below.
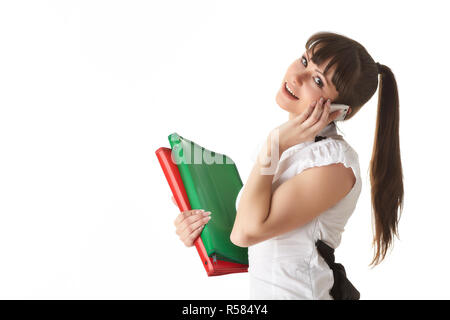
(304, 62)
(317, 80)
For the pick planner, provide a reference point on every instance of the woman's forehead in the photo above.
(322, 66)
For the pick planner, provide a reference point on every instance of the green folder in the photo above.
(212, 183)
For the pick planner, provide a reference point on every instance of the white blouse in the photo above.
(288, 266)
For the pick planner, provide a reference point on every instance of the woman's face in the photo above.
(308, 83)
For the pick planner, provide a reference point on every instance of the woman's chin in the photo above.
(283, 104)
(283, 107)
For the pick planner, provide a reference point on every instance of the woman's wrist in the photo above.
(271, 151)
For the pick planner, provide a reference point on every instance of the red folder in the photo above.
(213, 266)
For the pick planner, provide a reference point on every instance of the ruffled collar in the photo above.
(329, 131)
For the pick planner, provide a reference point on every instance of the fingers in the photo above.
(183, 215)
(189, 242)
(190, 222)
(193, 230)
(324, 118)
(328, 117)
(325, 112)
(316, 114)
(190, 228)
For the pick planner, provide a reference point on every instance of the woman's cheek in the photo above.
(303, 106)
(308, 98)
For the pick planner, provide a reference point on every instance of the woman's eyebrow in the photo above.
(326, 80)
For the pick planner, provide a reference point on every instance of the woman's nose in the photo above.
(301, 77)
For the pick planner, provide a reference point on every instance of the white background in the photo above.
(90, 89)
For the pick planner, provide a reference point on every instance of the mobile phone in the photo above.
(335, 107)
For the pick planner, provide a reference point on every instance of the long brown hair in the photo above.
(356, 80)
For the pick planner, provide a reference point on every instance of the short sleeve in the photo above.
(326, 152)
(321, 153)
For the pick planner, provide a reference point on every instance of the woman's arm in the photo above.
(254, 204)
(294, 203)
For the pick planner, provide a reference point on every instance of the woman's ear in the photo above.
(349, 110)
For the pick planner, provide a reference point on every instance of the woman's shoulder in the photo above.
(333, 150)
(328, 151)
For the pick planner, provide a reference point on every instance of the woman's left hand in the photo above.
(305, 126)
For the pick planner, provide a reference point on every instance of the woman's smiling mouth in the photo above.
(289, 92)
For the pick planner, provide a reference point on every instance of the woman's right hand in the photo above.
(189, 224)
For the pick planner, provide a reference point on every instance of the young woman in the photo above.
(293, 208)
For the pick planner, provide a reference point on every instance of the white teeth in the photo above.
(289, 89)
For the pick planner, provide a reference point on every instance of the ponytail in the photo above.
(386, 175)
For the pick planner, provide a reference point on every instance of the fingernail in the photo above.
(206, 213)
